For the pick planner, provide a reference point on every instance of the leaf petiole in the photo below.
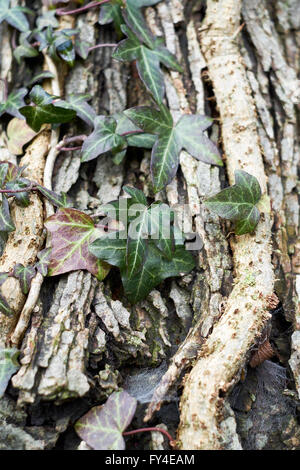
(163, 431)
(61, 11)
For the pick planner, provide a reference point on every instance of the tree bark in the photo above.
(84, 340)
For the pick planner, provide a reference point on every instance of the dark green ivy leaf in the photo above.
(21, 198)
(58, 200)
(111, 12)
(8, 366)
(14, 15)
(39, 77)
(13, 103)
(103, 139)
(44, 111)
(6, 223)
(102, 427)
(147, 60)
(24, 274)
(238, 202)
(171, 139)
(79, 104)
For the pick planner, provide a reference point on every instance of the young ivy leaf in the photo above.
(43, 111)
(8, 366)
(14, 15)
(13, 103)
(238, 202)
(71, 233)
(44, 260)
(24, 49)
(24, 274)
(171, 139)
(148, 61)
(79, 104)
(18, 134)
(102, 427)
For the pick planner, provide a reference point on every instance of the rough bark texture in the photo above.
(84, 340)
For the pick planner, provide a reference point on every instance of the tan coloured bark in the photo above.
(225, 351)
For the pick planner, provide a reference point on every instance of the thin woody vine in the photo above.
(137, 234)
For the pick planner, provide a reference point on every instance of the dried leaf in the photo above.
(18, 135)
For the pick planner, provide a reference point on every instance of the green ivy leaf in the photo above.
(238, 202)
(79, 104)
(6, 223)
(171, 139)
(136, 22)
(72, 232)
(47, 18)
(14, 15)
(111, 12)
(24, 49)
(8, 367)
(44, 112)
(102, 427)
(24, 274)
(40, 77)
(13, 103)
(143, 261)
(65, 50)
(82, 47)
(21, 198)
(102, 139)
(147, 60)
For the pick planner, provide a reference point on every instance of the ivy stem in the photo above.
(131, 132)
(5, 88)
(101, 45)
(31, 187)
(135, 431)
(61, 11)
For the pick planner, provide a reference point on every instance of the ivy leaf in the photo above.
(14, 15)
(24, 274)
(58, 200)
(238, 202)
(3, 172)
(111, 12)
(154, 270)
(6, 223)
(102, 139)
(47, 18)
(21, 198)
(44, 112)
(72, 232)
(65, 50)
(13, 103)
(5, 308)
(24, 49)
(78, 103)
(11, 173)
(82, 47)
(171, 139)
(18, 134)
(147, 60)
(8, 367)
(143, 261)
(44, 260)
(39, 77)
(136, 22)
(102, 427)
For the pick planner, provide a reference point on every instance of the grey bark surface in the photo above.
(84, 340)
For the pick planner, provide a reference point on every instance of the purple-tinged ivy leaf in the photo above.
(24, 274)
(44, 260)
(40, 77)
(102, 427)
(82, 47)
(12, 172)
(72, 232)
(8, 366)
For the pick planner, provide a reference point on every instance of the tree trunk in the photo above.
(241, 66)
